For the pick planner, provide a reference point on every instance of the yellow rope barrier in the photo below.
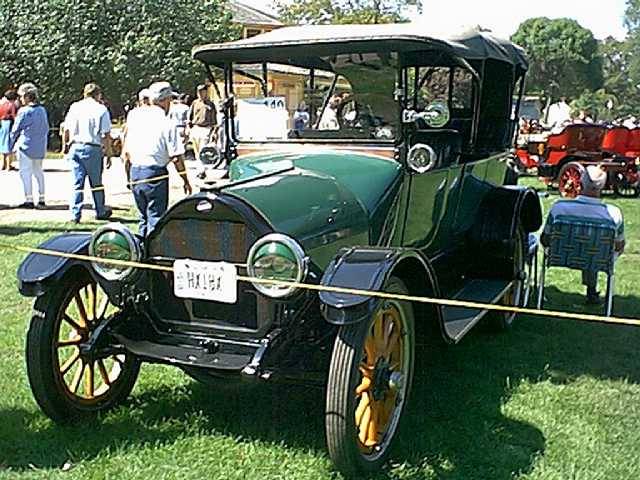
(137, 182)
(346, 291)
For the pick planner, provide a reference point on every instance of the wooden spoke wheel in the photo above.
(570, 180)
(369, 382)
(68, 377)
(517, 294)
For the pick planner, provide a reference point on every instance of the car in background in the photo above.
(560, 158)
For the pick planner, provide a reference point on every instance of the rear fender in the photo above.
(38, 271)
(504, 209)
(368, 269)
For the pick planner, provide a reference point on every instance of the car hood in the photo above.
(367, 176)
(325, 200)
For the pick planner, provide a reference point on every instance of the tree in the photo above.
(596, 104)
(122, 45)
(344, 11)
(564, 56)
(631, 57)
(617, 63)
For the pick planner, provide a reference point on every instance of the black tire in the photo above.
(44, 358)
(626, 191)
(518, 295)
(349, 454)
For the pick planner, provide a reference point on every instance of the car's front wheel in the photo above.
(369, 382)
(67, 377)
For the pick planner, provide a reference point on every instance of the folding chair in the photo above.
(580, 244)
(531, 267)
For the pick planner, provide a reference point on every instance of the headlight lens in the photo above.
(277, 257)
(114, 242)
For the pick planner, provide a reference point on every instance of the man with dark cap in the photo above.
(152, 141)
(86, 139)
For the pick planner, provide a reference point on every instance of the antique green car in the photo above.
(382, 164)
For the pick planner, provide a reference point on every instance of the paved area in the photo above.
(58, 192)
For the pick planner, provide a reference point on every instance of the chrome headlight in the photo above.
(277, 257)
(114, 242)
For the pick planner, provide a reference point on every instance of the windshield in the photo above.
(351, 98)
(530, 109)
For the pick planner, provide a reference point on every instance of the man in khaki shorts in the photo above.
(202, 122)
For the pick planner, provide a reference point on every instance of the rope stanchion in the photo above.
(346, 291)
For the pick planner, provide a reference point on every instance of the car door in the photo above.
(473, 188)
(429, 192)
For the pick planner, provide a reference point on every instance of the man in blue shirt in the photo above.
(29, 140)
(589, 206)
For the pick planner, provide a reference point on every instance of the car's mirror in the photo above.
(422, 158)
(436, 115)
(210, 155)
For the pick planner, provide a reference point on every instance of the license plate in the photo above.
(215, 281)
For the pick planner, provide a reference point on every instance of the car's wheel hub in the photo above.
(86, 369)
(381, 388)
(381, 378)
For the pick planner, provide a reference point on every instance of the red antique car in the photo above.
(561, 159)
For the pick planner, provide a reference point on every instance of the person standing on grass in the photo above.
(28, 139)
(8, 112)
(86, 140)
(151, 143)
(202, 123)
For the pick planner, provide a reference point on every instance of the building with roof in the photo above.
(253, 21)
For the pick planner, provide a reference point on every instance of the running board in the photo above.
(459, 320)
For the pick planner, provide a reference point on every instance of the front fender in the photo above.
(37, 271)
(368, 269)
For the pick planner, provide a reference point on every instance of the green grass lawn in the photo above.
(552, 399)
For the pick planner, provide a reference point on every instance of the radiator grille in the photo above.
(207, 240)
(203, 239)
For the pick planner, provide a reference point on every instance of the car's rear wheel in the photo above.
(369, 383)
(68, 379)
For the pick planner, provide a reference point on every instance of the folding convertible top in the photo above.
(314, 41)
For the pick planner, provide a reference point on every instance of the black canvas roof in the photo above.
(324, 40)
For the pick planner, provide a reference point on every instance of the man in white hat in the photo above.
(143, 97)
(588, 205)
(152, 142)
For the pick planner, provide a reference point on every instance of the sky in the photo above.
(603, 18)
